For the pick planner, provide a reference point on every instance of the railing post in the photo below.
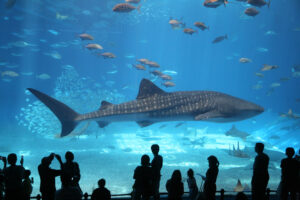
(268, 193)
(38, 197)
(222, 194)
(86, 196)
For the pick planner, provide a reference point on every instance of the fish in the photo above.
(108, 55)
(274, 85)
(156, 73)
(54, 54)
(86, 36)
(143, 61)
(153, 64)
(61, 17)
(251, 12)
(267, 67)
(189, 31)
(285, 79)
(179, 124)
(94, 47)
(125, 7)
(133, 1)
(176, 24)
(165, 77)
(234, 132)
(112, 72)
(26, 73)
(259, 74)
(154, 105)
(270, 32)
(214, 3)
(259, 3)
(170, 72)
(169, 84)
(290, 114)
(139, 67)
(201, 26)
(262, 49)
(53, 32)
(9, 74)
(43, 76)
(219, 39)
(245, 60)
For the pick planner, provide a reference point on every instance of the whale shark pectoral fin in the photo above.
(147, 89)
(207, 115)
(102, 124)
(144, 123)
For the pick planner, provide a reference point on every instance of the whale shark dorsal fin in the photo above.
(105, 104)
(147, 89)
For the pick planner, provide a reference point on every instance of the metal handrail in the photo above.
(222, 194)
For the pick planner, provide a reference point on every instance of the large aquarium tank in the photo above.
(93, 55)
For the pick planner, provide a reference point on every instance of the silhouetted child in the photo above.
(101, 193)
(26, 184)
(210, 187)
(174, 186)
(68, 191)
(192, 185)
(289, 175)
(143, 187)
(13, 178)
(260, 176)
(156, 165)
(241, 196)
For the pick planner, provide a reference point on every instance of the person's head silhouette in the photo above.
(155, 149)
(12, 159)
(27, 173)
(69, 156)
(176, 176)
(101, 183)
(290, 152)
(190, 173)
(46, 161)
(145, 160)
(259, 147)
(213, 161)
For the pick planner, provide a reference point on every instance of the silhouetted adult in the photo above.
(241, 196)
(47, 176)
(174, 186)
(143, 185)
(192, 185)
(297, 157)
(289, 175)
(2, 180)
(68, 191)
(210, 186)
(71, 170)
(156, 165)
(260, 176)
(13, 178)
(26, 185)
(101, 193)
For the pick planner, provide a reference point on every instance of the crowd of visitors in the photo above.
(16, 184)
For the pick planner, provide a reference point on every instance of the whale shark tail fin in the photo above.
(65, 114)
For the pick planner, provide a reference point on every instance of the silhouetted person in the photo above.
(143, 186)
(1, 186)
(71, 169)
(260, 176)
(174, 186)
(241, 196)
(68, 191)
(26, 185)
(101, 193)
(47, 176)
(210, 186)
(193, 189)
(156, 165)
(297, 157)
(289, 175)
(13, 178)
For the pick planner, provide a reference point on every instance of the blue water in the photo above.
(35, 41)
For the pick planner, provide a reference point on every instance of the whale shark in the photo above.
(153, 105)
